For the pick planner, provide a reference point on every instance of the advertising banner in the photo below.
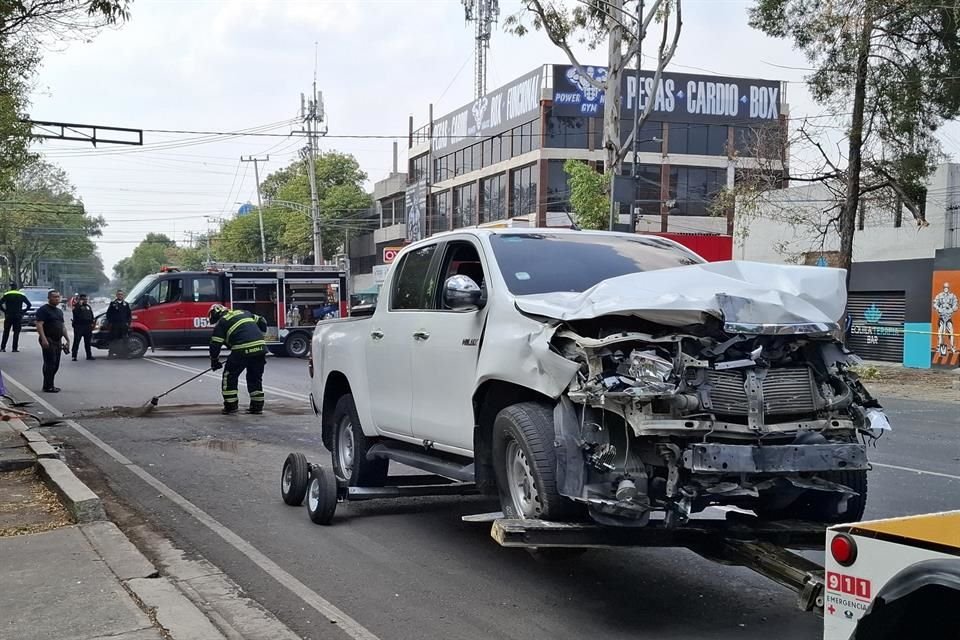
(416, 209)
(681, 97)
(945, 320)
(496, 112)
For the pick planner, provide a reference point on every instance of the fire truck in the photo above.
(170, 307)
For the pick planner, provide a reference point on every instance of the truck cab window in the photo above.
(205, 290)
(165, 291)
(415, 282)
(461, 259)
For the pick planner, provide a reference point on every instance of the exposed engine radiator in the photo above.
(785, 391)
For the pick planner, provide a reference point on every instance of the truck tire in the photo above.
(297, 344)
(295, 479)
(820, 506)
(525, 464)
(350, 447)
(137, 345)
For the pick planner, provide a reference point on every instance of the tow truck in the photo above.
(170, 307)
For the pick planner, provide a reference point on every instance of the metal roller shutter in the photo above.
(877, 332)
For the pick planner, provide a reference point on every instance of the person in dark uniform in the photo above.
(53, 337)
(241, 332)
(13, 304)
(119, 318)
(82, 326)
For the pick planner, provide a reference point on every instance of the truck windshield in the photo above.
(140, 287)
(543, 262)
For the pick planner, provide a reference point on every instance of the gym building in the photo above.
(501, 157)
(498, 160)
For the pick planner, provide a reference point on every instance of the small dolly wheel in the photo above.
(295, 478)
(321, 495)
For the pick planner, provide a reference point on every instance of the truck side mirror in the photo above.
(461, 293)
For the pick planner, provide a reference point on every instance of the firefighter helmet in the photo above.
(216, 312)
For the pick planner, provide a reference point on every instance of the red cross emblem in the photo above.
(831, 609)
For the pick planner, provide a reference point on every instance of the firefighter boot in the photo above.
(256, 408)
(229, 409)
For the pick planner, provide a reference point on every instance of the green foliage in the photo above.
(155, 251)
(911, 50)
(289, 231)
(589, 195)
(41, 219)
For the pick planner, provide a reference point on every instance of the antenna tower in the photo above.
(484, 14)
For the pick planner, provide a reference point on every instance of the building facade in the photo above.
(499, 159)
(904, 280)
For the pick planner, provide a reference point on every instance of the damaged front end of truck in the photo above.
(720, 384)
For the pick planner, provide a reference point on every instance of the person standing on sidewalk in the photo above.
(242, 333)
(13, 304)
(54, 340)
(82, 326)
(119, 318)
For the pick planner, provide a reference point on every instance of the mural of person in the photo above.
(946, 304)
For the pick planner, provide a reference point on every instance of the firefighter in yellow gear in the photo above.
(242, 333)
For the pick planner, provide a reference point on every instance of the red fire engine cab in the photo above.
(170, 308)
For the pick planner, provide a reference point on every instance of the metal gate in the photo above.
(877, 331)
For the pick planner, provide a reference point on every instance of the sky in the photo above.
(232, 65)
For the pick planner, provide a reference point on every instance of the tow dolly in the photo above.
(738, 539)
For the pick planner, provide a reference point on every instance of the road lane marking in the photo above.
(326, 608)
(274, 390)
(912, 470)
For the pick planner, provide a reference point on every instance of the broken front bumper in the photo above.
(733, 458)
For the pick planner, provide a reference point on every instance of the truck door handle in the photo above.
(376, 334)
(420, 335)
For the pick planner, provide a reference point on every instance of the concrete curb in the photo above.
(82, 503)
(173, 611)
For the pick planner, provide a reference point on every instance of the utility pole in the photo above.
(635, 172)
(311, 112)
(256, 173)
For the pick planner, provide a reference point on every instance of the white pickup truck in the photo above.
(601, 375)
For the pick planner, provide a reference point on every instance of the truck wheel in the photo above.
(350, 447)
(297, 345)
(137, 345)
(322, 496)
(820, 506)
(526, 465)
(294, 480)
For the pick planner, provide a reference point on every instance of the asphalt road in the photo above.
(412, 569)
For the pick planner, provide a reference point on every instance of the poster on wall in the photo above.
(944, 318)
(416, 206)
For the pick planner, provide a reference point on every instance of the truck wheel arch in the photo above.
(490, 398)
(334, 388)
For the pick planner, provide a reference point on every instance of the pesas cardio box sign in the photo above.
(498, 111)
(681, 97)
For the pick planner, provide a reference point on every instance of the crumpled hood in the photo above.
(749, 297)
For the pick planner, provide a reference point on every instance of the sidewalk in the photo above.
(69, 574)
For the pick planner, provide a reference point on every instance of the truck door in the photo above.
(390, 342)
(445, 356)
(161, 311)
(202, 292)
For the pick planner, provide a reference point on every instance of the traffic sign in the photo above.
(390, 254)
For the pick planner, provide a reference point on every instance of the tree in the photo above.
(589, 197)
(154, 251)
(288, 229)
(888, 69)
(25, 27)
(591, 22)
(39, 21)
(42, 220)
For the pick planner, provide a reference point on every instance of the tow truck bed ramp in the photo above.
(738, 540)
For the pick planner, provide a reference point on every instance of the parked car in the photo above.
(609, 376)
(37, 297)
